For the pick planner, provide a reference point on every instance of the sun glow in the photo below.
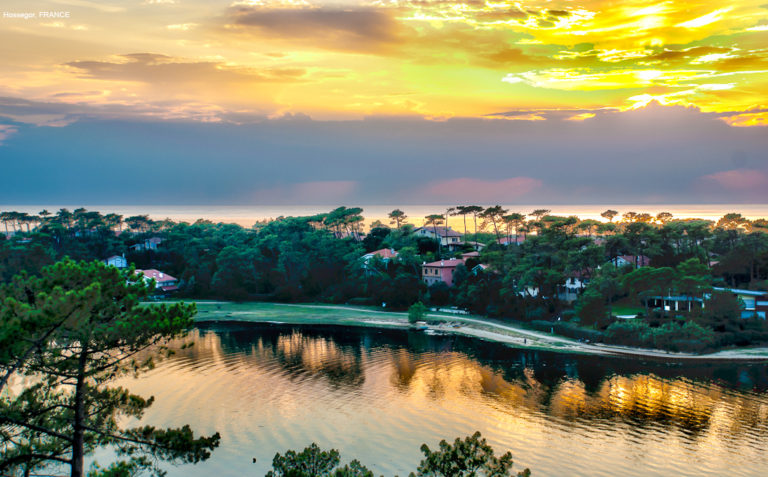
(432, 58)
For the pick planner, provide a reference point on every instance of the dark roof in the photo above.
(441, 231)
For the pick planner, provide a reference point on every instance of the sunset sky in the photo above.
(425, 101)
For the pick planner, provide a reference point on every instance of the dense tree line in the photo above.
(318, 258)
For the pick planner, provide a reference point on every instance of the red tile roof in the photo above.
(508, 240)
(383, 253)
(444, 263)
(158, 276)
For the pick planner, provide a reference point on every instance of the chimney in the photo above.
(442, 263)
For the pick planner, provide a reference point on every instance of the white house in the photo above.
(446, 235)
(116, 261)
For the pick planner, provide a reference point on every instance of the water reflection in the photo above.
(377, 394)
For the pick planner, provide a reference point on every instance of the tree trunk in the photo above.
(78, 434)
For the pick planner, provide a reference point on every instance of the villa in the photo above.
(446, 235)
(163, 282)
(441, 271)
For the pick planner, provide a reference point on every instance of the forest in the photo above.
(528, 261)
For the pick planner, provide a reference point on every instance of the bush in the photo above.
(416, 312)
(673, 336)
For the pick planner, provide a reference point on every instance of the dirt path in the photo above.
(521, 337)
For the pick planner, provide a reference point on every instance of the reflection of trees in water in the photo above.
(405, 369)
(575, 389)
(342, 366)
(298, 353)
(645, 400)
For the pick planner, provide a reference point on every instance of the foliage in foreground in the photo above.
(69, 332)
(468, 457)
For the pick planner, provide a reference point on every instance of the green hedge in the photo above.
(675, 336)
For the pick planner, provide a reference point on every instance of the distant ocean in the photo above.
(247, 215)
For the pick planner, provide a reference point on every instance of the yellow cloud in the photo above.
(433, 58)
(705, 19)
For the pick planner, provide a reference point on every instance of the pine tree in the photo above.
(72, 331)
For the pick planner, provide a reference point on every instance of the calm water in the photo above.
(376, 395)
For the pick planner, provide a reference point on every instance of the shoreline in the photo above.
(466, 325)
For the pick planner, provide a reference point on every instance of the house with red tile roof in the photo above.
(163, 282)
(385, 254)
(440, 271)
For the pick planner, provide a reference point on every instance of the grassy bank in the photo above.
(479, 327)
(475, 326)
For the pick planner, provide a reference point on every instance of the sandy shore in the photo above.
(444, 323)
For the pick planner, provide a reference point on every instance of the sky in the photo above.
(383, 102)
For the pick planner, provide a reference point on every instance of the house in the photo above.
(441, 271)
(163, 281)
(479, 268)
(467, 255)
(116, 261)
(755, 301)
(575, 282)
(676, 302)
(454, 246)
(446, 235)
(386, 254)
(512, 240)
(634, 260)
(147, 244)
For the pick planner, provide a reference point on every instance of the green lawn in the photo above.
(299, 314)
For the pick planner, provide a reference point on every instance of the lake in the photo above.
(378, 394)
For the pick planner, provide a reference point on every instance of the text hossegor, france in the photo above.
(30, 15)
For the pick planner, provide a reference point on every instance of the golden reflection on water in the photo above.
(271, 388)
(450, 375)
